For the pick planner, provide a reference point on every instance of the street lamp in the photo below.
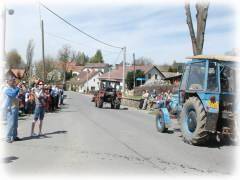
(4, 13)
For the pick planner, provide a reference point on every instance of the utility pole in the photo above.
(43, 56)
(109, 73)
(3, 14)
(3, 18)
(124, 63)
(134, 71)
(87, 81)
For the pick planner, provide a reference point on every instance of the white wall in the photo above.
(103, 70)
(93, 82)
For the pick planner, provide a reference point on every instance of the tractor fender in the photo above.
(212, 113)
(208, 106)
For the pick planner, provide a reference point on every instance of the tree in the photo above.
(83, 59)
(80, 58)
(130, 76)
(97, 58)
(54, 76)
(64, 55)
(202, 12)
(172, 69)
(14, 60)
(143, 61)
(129, 80)
(29, 57)
(49, 64)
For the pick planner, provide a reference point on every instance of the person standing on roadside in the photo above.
(54, 94)
(146, 97)
(39, 109)
(11, 106)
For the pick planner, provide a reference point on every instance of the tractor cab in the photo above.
(206, 95)
(110, 85)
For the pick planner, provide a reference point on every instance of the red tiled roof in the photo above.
(84, 76)
(18, 73)
(77, 68)
(70, 66)
(96, 65)
(116, 74)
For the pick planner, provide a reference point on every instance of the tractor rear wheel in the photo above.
(193, 119)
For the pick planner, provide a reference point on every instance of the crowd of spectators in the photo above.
(54, 98)
(19, 99)
(148, 100)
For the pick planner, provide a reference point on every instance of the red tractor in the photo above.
(109, 93)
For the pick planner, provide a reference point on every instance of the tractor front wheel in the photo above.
(100, 103)
(160, 123)
(193, 119)
(117, 104)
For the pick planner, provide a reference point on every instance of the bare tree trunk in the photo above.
(191, 29)
(29, 57)
(197, 40)
(202, 12)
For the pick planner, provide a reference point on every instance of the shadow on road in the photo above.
(23, 117)
(46, 135)
(170, 131)
(56, 132)
(125, 108)
(64, 106)
(9, 159)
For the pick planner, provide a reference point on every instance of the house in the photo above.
(173, 78)
(86, 76)
(153, 74)
(100, 67)
(69, 66)
(74, 68)
(117, 73)
(16, 73)
(88, 80)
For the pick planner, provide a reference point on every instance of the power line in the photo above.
(77, 43)
(107, 44)
(118, 57)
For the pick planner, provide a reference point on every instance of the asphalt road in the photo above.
(82, 139)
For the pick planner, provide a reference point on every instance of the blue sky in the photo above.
(154, 30)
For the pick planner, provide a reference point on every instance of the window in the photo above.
(149, 76)
(156, 76)
(212, 84)
(228, 78)
(184, 78)
(197, 76)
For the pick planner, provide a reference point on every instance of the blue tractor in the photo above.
(204, 104)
